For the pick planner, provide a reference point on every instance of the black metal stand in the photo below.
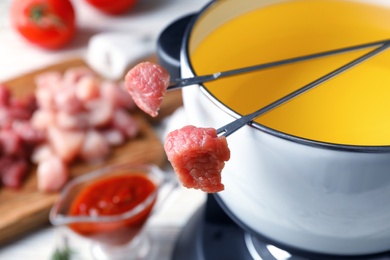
(211, 234)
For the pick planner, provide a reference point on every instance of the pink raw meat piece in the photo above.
(10, 142)
(27, 132)
(13, 171)
(113, 136)
(95, 147)
(117, 94)
(87, 88)
(41, 153)
(125, 122)
(5, 95)
(198, 156)
(147, 83)
(65, 143)
(100, 112)
(52, 174)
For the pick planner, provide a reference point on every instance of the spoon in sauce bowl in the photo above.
(240, 122)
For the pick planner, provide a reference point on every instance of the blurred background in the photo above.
(147, 17)
(18, 57)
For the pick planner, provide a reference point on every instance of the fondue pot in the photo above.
(311, 198)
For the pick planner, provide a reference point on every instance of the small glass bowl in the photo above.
(119, 236)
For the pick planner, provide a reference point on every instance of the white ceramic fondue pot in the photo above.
(319, 197)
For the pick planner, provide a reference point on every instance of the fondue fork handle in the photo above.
(179, 83)
(240, 122)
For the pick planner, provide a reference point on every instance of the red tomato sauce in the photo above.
(109, 197)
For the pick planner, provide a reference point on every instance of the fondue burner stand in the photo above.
(213, 233)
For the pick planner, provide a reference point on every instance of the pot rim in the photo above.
(296, 139)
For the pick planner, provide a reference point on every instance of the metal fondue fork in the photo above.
(240, 122)
(182, 82)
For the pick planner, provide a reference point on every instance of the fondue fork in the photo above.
(182, 82)
(240, 122)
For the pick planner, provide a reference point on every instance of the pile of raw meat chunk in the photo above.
(71, 117)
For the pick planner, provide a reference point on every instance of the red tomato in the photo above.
(46, 23)
(113, 6)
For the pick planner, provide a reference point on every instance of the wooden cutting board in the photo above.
(26, 209)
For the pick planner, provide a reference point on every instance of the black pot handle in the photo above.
(169, 44)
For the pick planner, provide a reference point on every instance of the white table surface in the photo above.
(18, 57)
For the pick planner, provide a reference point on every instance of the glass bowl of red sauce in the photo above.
(110, 206)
